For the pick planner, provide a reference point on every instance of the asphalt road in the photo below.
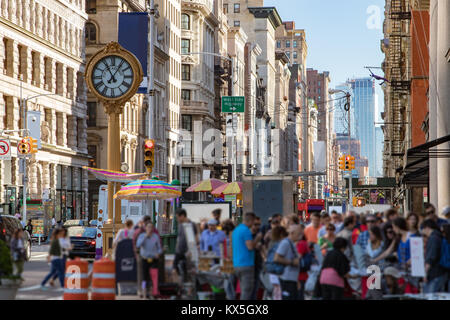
(35, 271)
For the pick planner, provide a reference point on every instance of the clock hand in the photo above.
(118, 68)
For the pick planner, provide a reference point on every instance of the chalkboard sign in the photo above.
(126, 269)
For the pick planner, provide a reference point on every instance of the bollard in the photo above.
(76, 280)
(104, 280)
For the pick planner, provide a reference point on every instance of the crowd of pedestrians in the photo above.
(327, 257)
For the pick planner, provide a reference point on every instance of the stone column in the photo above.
(29, 64)
(72, 133)
(32, 16)
(64, 130)
(26, 14)
(12, 11)
(52, 72)
(82, 134)
(16, 114)
(41, 70)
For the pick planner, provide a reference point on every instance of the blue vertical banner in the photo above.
(133, 36)
(34, 125)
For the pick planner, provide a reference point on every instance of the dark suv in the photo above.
(9, 224)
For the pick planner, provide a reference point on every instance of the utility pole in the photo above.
(24, 159)
(350, 198)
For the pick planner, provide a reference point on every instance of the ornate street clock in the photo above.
(113, 74)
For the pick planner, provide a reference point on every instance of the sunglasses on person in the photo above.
(390, 231)
(330, 229)
(370, 221)
(275, 221)
(257, 225)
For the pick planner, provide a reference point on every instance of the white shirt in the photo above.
(65, 245)
(53, 221)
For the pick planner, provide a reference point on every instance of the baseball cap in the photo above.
(446, 211)
(213, 222)
(391, 271)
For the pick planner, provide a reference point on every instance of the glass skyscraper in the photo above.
(364, 103)
(340, 115)
(379, 150)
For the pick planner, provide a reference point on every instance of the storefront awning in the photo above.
(416, 171)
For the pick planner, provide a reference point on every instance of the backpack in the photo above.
(271, 266)
(445, 254)
(306, 262)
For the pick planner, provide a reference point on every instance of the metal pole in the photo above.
(25, 177)
(350, 198)
(234, 160)
(151, 82)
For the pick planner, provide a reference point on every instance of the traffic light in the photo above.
(149, 154)
(24, 146)
(361, 202)
(347, 163)
(342, 163)
(33, 145)
(352, 162)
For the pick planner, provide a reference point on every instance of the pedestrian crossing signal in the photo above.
(149, 154)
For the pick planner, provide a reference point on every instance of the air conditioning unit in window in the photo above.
(5, 72)
(46, 87)
(33, 82)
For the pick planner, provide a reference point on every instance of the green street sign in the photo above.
(233, 104)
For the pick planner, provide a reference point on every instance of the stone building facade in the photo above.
(198, 25)
(42, 51)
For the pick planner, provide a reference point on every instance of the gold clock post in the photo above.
(102, 67)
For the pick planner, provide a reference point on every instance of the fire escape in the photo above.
(399, 39)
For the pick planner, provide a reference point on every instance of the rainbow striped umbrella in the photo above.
(114, 176)
(147, 190)
(229, 188)
(205, 185)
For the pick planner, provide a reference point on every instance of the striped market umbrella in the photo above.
(148, 190)
(205, 185)
(228, 188)
(115, 176)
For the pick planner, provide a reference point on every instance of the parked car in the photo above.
(9, 224)
(83, 242)
(70, 223)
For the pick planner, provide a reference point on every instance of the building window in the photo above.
(186, 122)
(186, 150)
(237, 23)
(185, 94)
(90, 33)
(288, 43)
(295, 54)
(237, 8)
(225, 8)
(295, 44)
(318, 83)
(278, 44)
(92, 152)
(318, 90)
(185, 22)
(91, 6)
(186, 176)
(185, 46)
(288, 53)
(186, 72)
(92, 114)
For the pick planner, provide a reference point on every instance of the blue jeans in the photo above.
(55, 269)
(435, 285)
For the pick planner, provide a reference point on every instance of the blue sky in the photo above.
(338, 36)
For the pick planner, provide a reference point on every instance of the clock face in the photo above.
(112, 76)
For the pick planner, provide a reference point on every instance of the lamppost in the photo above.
(347, 108)
(231, 151)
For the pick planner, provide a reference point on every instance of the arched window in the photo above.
(91, 33)
(185, 21)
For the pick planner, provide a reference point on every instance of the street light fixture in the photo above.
(25, 178)
(347, 108)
